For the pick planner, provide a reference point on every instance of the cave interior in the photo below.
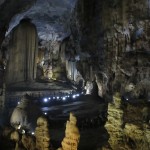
(75, 74)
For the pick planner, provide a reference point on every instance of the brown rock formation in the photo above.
(23, 53)
(42, 134)
(126, 126)
(115, 122)
(28, 142)
(15, 137)
(72, 136)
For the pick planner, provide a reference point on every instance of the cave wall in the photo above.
(9, 8)
(127, 125)
(126, 43)
(113, 38)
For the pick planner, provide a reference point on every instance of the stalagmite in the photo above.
(115, 122)
(23, 53)
(15, 137)
(19, 114)
(42, 134)
(72, 135)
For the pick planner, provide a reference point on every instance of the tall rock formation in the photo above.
(115, 122)
(23, 53)
(72, 135)
(127, 128)
(42, 134)
(19, 115)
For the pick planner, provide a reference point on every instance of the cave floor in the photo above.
(90, 112)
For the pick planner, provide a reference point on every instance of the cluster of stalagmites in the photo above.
(41, 139)
(23, 141)
(127, 127)
(72, 136)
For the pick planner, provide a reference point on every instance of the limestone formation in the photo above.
(15, 137)
(139, 135)
(72, 135)
(115, 122)
(42, 134)
(2, 97)
(19, 115)
(28, 142)
(23, 53)
(127, 127)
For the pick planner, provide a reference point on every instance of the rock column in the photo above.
(72, 136)
(115, 122)
(22, 53)
(42, 134)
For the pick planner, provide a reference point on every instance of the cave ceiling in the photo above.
(51, 17)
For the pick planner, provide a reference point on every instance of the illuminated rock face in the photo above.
(126, 127)
(22, 53)
(42, 134)
(115, 122)
(19, 115)
(72, 135)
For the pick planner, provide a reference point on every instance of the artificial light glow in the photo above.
(57, 97)
(18, 103)
(49, 98)
(32, 133)
(53, 97)
(64, 98)
(45, 99)
(74, 96)
(77, 94)
(45, 113)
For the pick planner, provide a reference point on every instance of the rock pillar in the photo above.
(72, 135)
(42, 134)
(115, 122)
(23, 53)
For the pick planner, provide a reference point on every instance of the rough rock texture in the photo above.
(25, 114)
(42, 134)
(50, 17)
(22, 54)
(126, 126)
(28, 142)
(12, 8)
(115, 122)
(112, 38)
(15, 137)
(19, 114)
(72, 135)
(2, 97)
